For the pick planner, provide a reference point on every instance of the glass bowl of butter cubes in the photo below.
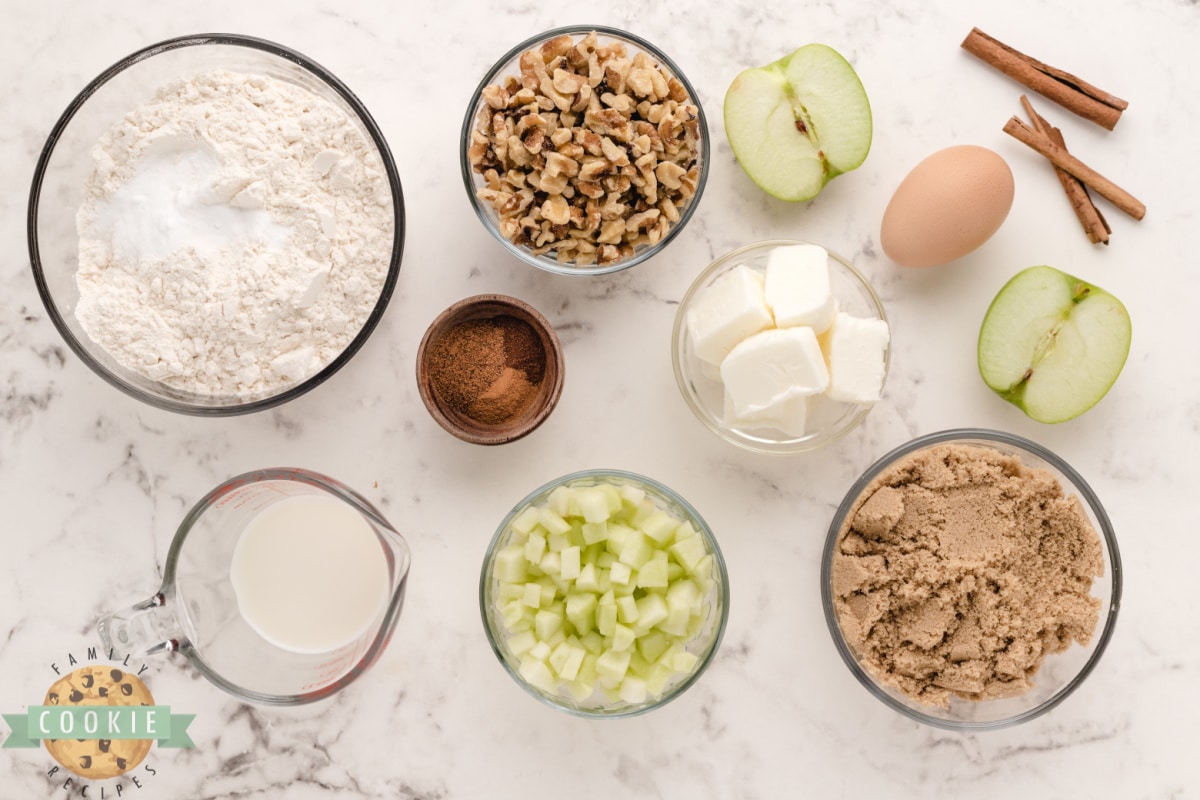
(781, 347)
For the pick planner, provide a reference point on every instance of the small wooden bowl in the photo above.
(486, 306)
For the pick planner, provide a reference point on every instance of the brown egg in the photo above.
(950, 204)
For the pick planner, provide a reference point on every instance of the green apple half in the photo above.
(1053, 345)
(797, 124)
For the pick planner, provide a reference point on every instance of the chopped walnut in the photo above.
(589, 153)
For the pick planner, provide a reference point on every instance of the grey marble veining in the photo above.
(92, 484)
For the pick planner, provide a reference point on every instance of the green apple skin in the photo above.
(796, 124)
(1052, 344)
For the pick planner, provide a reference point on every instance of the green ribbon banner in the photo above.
(98, 722)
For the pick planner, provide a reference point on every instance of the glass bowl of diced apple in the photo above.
(604, 594)
(781, 347)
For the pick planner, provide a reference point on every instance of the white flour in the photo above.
(234, 237)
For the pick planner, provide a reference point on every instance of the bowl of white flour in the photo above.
(216, 224)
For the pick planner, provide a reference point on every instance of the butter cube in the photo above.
(854, 352)
(771, 367)
(789, 416)
(797, 287)
(726, 312)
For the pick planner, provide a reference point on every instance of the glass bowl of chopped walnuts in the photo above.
(584, 150)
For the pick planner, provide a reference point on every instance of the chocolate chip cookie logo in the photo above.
(98, 722)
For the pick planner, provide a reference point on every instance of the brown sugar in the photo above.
(958, 570)
(488, 369)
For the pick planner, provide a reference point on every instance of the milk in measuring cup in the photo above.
(310, 574)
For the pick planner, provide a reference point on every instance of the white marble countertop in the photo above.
(92, 483)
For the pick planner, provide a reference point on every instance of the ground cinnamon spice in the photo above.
(488, 369)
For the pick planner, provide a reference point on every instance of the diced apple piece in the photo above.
(652, 609)
(510, 591)
(514, 612)
(606, 618)
(644, 510)
(683, 530)
(627, 609)
(535, 547)
(520, 643)
(636, 550)
(558, 657)
(603, 580)
(633, 689)
(592, 641)
(587, 579)
(639, 666)
(556, 638)
(540, 651)
(684, 594)
(581, 611)
(612, 495)
(557, 542)
(659, 526)
(702, 572)
(537, 674)
(570, 567)
(623, 637)
(593, 504)
(613, 664)
(591, 553)
(532, 596)
(551, 564)
(683, 661)
(676, 623)
(628, 588)
(634, 495)
(594, 532)
(558, 501)
(653, 575)
(688, 552)
(526, 520)
(659, 677)
(606, 559)
(510, 564)
(546, 622)
(552, 522)
(581, 690)
(617, 534)
(570, 668)
(620, 574)
(652, 645)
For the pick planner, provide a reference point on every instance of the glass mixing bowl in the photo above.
(1060, 673)
(828, 420)
(473, 180)
(702, 644)
(66, 162)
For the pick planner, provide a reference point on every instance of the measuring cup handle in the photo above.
(148, 628)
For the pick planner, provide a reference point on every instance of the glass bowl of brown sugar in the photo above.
(971, 579)
(490, 369)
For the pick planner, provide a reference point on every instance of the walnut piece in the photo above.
(589, 152)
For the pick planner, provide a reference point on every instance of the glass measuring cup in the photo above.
(196, 611)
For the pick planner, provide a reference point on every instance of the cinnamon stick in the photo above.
(1069, 163)
(1072, 93)
(1094, 224)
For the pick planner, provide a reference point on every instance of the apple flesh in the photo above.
(796, 124)
(1052, 344)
